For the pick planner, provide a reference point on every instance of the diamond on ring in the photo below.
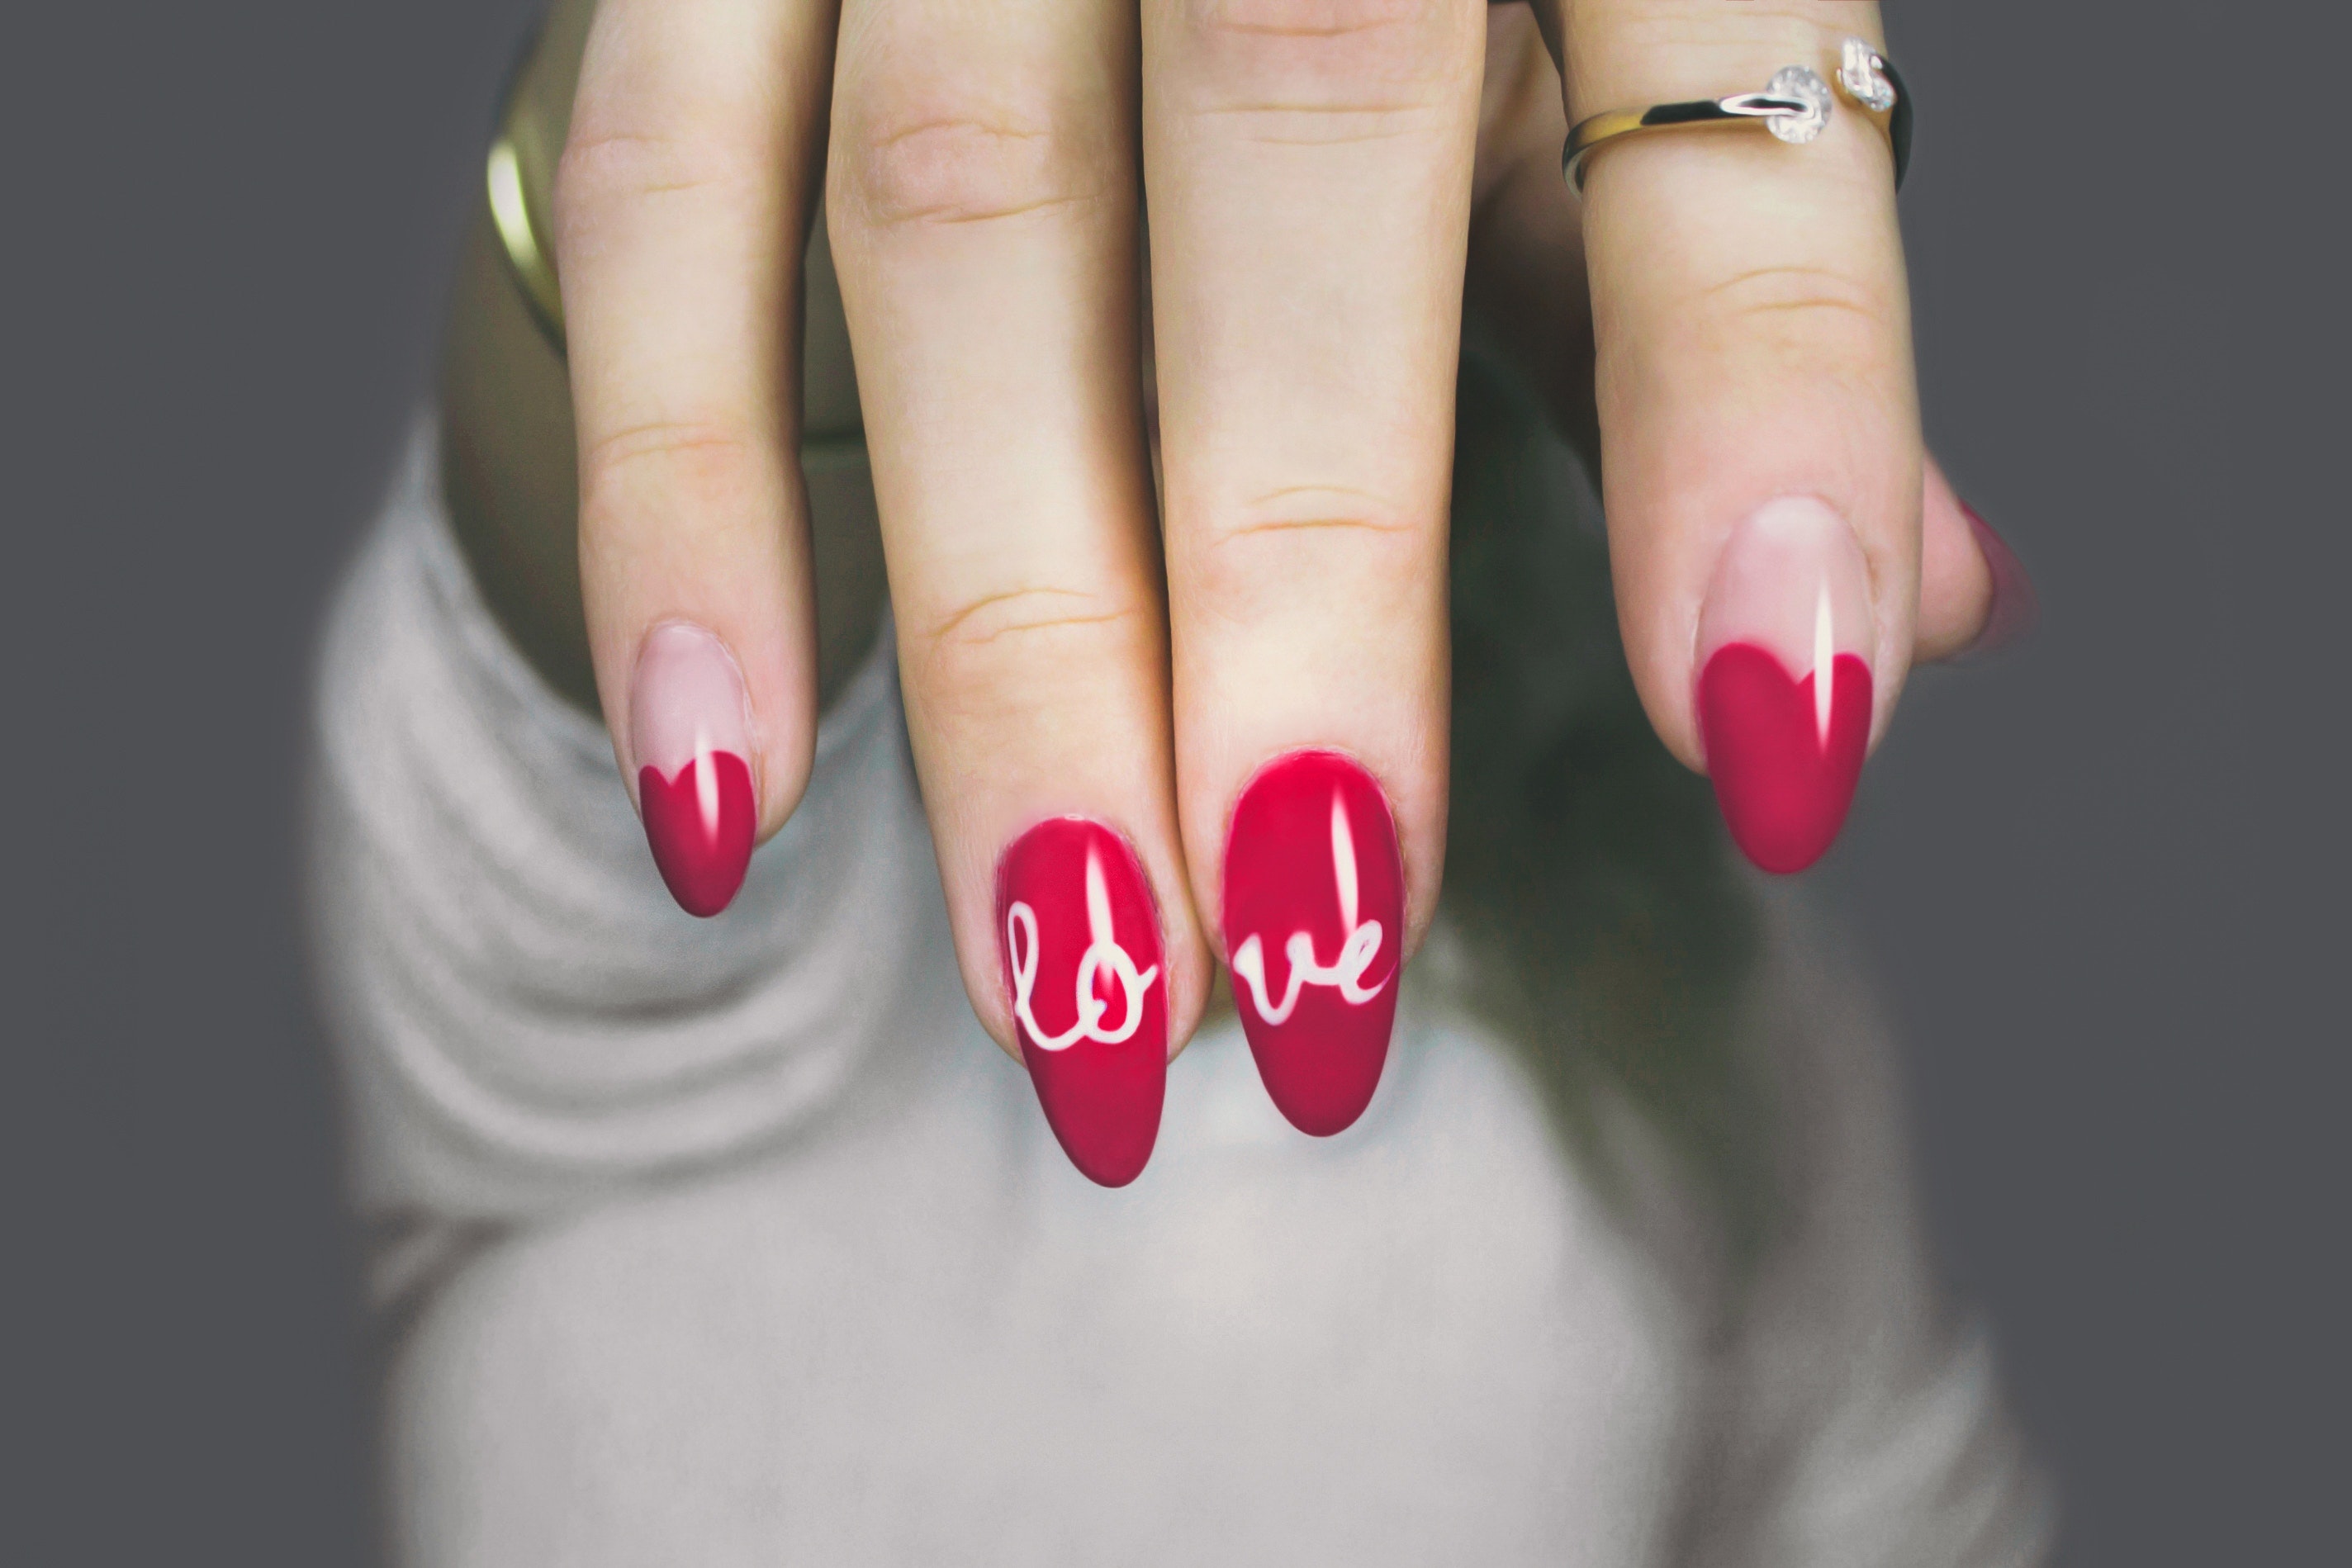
(1863, 74)
(1807, 88)
(1796, 107)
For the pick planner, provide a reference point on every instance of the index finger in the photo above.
(683, 202)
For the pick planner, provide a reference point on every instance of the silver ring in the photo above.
(1795, 106)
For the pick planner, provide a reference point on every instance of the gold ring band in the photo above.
(1795, 106)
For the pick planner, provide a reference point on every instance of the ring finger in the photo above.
(1761, 444)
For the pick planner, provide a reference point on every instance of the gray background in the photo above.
(2100, 876)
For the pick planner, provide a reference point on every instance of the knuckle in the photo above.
(1303, 548)
(1291, 58)
(693, 464)
(981, 647)
(920, 156)
(1808, 304)
(1336, 25)
(1736, 36)
(1025, 615)
(608, 172)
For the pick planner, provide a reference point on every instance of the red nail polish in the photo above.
(699, 823)
(1784, 754)
(1082, 958)
(689, 733)
(2015, 606)
(1784, 686)
(1314, 928)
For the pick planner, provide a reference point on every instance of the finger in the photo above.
(983, 207)
(682, 201)
(1974, 594)
(1525, 296)
(1308, 168)
(1526, 288)
(1761, 453)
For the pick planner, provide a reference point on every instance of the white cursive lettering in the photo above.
(1357, 949)
(1103, 953)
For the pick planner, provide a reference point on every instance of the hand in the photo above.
(1225, 711)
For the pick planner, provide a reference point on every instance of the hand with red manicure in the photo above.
(1207, 720)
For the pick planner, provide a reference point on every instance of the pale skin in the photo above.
(1120, 612)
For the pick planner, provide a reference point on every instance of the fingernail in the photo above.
(1784, 686)
(1083, 965)
(692, 746)
(1314, 928)
(2015, 606)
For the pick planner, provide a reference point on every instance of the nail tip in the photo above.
(1323, 1126)
(1773, 864)
(1113, 1176)
(1783, 784)
(693, 897)
(1111, 1140)
(1322, 1071)
(702, 862)
(1110, 1177)
(1320, 1082)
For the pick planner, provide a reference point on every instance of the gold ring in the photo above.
(1795, 106)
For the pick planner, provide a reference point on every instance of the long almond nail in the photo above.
(1083, 965)
(692, 741)
(1314, 928)
(1784, 685)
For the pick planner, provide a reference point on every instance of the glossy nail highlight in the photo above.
(1314, 931)
(690, 737)
(1083, 965)
(1784, 685)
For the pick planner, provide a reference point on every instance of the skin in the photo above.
(1092, 620)
(509, 444)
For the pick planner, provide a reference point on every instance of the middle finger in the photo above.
(982, 209)
(1308, 168)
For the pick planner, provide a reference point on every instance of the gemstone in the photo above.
(1862, 76)
(1808, 88)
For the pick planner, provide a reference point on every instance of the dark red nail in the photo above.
(699, 823)
(1784, 762)
(1083, 965)
(2015, 606)
(1314, 924)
